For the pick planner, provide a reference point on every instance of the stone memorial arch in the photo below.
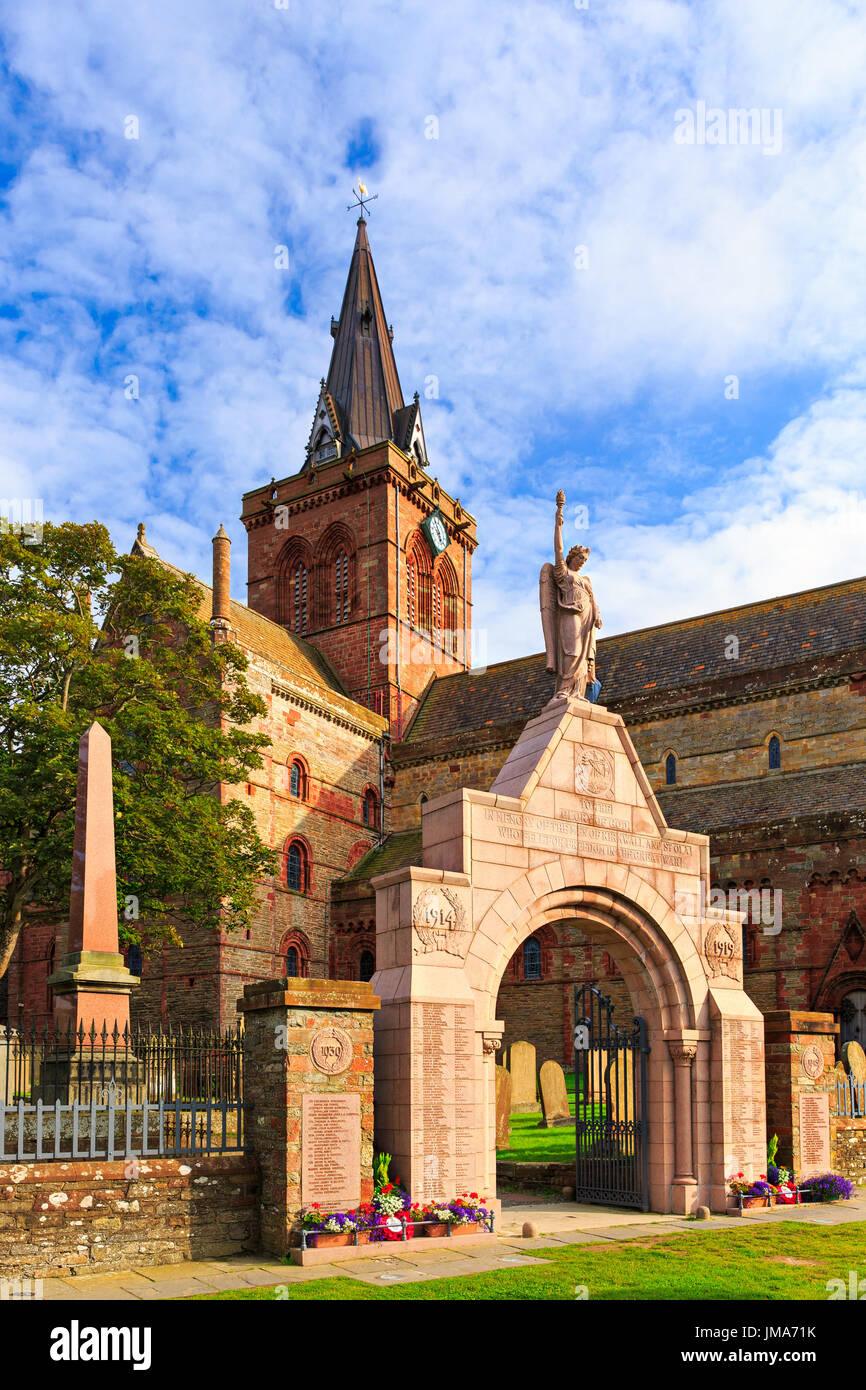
(570, 830)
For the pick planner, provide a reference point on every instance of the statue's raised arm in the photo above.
(558, 553)
(569, 614)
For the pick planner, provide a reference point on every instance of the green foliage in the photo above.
(381, 1165)
(87, 634)
(772, 1149)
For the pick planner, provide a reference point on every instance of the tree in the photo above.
(86, 634)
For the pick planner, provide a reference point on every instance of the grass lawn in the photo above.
(529, 1144)
(784, 1261)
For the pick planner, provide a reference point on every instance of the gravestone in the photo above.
(855, 1060)
(554, 1097)
(503, 1108)
(521, 1064)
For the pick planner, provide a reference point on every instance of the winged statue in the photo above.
(569, 616)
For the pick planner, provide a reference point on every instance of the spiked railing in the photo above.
(100, 1093)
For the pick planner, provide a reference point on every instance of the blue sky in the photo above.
(500, 140)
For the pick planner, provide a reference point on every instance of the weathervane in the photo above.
(362, 198)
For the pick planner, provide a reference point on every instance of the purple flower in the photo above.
(830, 1187)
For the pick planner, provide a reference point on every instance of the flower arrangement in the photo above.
(391, 1212)
(391, 1199)
(468, 1209)
(436, 1213)
(761, 1188)
(381, 1165)
(741, 1186)
(830, 1187)
(777, 1176)
(318, 1222)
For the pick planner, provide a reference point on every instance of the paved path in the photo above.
(559, 1223)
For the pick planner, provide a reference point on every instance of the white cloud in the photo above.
(793, 519)
(555, 129)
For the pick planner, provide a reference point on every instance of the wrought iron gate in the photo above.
(610, 1104)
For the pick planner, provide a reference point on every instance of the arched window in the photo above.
(298, 589)
(295, 953)
(298, 780)
(411, 590)
(774, 753)
(297, 867)
(445, 605)
(419, 586)
(671, 769)
(424, 799)
(366, 965)
(531, 959)
(370, 808)
(341, 587)
(294, 586)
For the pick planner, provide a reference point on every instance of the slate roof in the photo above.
(395, 852)
(362, 377)
(766, 800)
(780, 640)
(301, 663)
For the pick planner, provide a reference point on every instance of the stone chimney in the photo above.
(222, 569)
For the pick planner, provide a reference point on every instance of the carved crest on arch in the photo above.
(722, 951)
(439, 922)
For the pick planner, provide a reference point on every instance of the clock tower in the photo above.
(360, 551)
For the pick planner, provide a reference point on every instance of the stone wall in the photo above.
(848, 1140)
(817, 728)
(58, 1219)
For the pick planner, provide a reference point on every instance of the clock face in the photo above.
(436, 533)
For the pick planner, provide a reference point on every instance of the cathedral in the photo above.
(750, 724)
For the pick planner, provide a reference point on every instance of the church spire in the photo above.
(361, 401)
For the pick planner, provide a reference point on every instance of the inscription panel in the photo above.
(814, 1135)
(331, 1151)
(600, 836)
(443, 1098)
(743, 1094)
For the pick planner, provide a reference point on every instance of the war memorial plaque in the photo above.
(443, 1090)
(331, 1151)
(742, 1042)
(814, 1135)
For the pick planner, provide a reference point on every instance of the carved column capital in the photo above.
(683, 1053)
(491, 1038)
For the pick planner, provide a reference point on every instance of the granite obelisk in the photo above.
(92, 985)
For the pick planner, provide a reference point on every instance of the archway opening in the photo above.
(624, 1095)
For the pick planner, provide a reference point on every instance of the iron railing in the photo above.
(850, 1098)
(140, 1092)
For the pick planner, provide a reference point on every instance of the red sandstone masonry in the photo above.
(58, 1219)
(277, 1078)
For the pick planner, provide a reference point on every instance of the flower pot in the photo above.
(363, 1237)
(757, 1202)
(436, 1228)
(329, 1238)
(469, 1229)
